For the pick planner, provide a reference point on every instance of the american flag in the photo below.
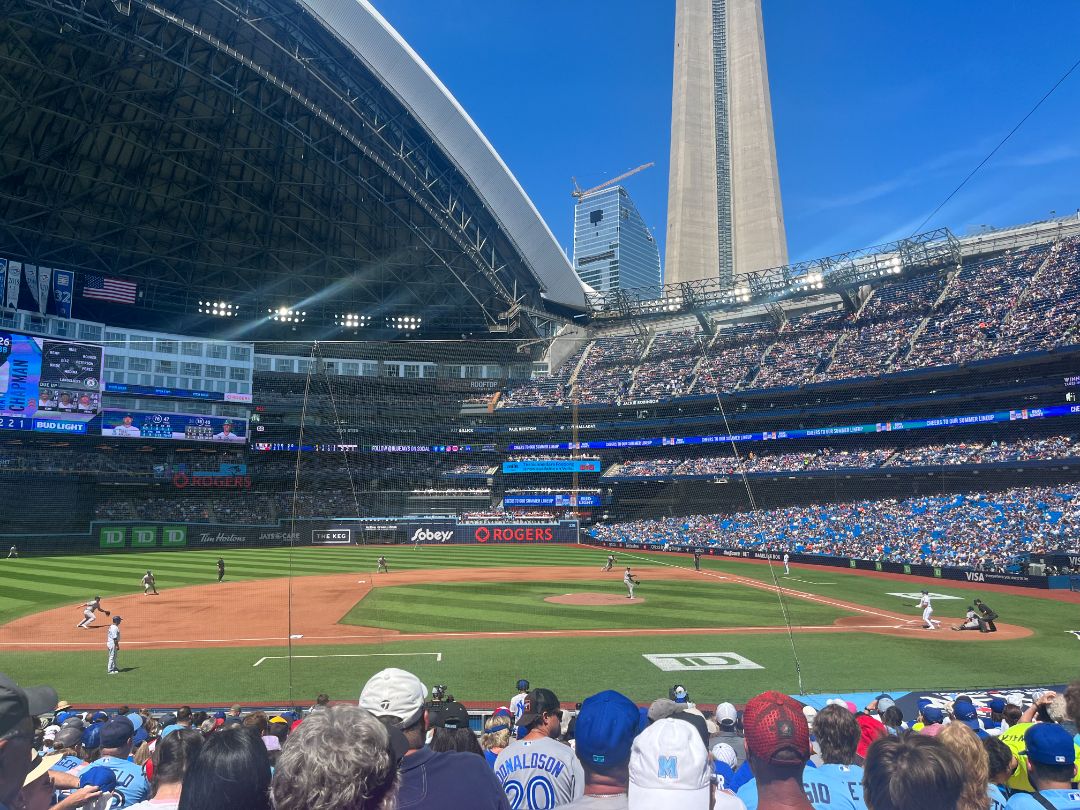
(109, 289)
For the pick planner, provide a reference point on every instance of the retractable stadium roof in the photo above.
(268, 153)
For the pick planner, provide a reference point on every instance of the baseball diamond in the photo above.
(850, 634)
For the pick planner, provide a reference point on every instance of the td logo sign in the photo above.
(143, 536)
(174, 536)
(112, 536)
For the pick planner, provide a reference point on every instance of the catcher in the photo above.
(629, 581)
(91, 607)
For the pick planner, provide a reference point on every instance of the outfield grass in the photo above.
(507, 606)
(486, 669)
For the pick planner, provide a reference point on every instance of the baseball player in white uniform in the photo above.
(381, 567)
(610, 563)
(112, 643)
(13, 553)
(149, 584)
(787, 570)
(928, 611)
(89, 609)
(629, 582)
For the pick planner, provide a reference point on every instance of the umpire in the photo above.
(987, 616)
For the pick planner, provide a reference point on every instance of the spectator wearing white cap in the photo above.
(670, 770)
(538, 770)
(429, 780)
(727, 719)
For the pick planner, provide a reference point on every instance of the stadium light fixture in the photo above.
(352, 321)
(219, 309)
(287, 315)
(407, 323)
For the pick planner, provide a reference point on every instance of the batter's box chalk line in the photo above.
(438, 656)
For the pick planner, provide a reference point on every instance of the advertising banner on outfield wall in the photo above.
(911, 569)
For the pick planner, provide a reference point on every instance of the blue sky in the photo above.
(880, 109)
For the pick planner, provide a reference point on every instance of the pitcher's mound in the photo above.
(593, 599)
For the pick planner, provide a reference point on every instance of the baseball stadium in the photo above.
(297, 385)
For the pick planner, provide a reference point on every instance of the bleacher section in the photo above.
(983, 530)
(1021, 301)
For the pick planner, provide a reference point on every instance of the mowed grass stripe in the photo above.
(501, 606)
(33, 584)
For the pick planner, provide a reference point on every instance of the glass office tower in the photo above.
(613, 248)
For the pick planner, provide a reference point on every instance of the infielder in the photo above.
(629, 582)
(928, 611)
(220, 569)
(112, 643)
(787, 570)
(149, 584)
(610, 563)
(381, 568)
(94, 605)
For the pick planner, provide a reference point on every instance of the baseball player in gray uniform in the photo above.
(629, 582)
(381, 568)
(610, 563)
(91, 607)
(112, 644)
(149, 584)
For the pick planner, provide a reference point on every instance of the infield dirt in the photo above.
(306, 610)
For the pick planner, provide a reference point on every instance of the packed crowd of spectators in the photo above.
(995, 451)
(883, 328)
(967, 322)
(734, 353)
(802, 347)
(1025, 300)
(984, 530)
(401, 747)
(668, 365)
(1049, 315)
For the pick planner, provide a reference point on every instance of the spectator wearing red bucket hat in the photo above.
(777, 748)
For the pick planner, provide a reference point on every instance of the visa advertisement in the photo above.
(174, 426)
(552, 466)
(49, 379)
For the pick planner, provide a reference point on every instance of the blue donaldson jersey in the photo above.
(539, 774)
(834, 787)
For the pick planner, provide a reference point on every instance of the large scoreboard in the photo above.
(48, 385)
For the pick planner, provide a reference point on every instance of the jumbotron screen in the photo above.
(49, 378)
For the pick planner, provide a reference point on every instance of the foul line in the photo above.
(765, 586)
(438, 656)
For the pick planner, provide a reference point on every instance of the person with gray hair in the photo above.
(339, 758)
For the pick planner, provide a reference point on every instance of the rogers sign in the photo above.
(513, 534)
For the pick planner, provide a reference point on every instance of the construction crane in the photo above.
(578, 193)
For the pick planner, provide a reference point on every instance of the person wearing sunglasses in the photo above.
(538, 770)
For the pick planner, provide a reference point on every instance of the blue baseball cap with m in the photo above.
(605, 730)
(1049, 744)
